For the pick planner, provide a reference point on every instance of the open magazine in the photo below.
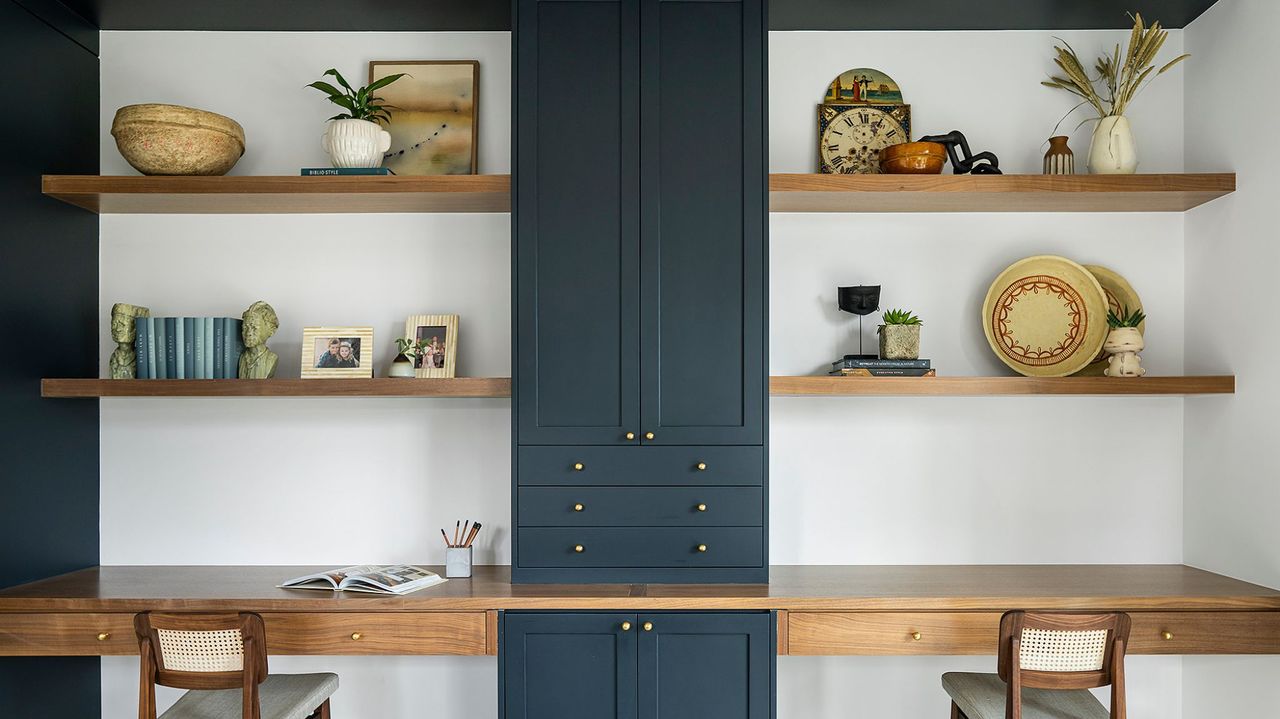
(374, 578)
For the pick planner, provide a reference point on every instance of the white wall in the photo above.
(1231, 459)
(855, 480)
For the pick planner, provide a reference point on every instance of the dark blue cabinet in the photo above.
(637, 666)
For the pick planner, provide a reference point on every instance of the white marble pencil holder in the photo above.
(457, 562)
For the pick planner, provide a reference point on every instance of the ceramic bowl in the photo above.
(913, 158)
(176, 140)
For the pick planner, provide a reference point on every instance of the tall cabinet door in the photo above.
(568, 666)
(704, 188)
(706, 666)
(576, 221)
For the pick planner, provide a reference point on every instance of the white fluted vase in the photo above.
(355, 143)
(1113, 151)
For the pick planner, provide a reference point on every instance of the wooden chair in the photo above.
(222, 658)
(1048, 662)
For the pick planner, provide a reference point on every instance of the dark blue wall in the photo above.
(49, 292)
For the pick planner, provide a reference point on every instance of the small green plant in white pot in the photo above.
(355, 138)
(408, 350)
(1124, 342)
(900, 335)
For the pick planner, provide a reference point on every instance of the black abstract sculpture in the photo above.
(860, 300)
(983, 163)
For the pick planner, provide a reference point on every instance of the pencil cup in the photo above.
(457, 562)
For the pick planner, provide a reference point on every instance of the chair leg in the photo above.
(321, 712)
(956, 713)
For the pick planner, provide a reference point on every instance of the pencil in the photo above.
(465, 526)
(446, 537)
(457, 527)
(475, 529)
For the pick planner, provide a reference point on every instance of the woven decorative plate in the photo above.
(1045, 316)
(1120, 296)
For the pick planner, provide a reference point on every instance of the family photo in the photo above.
(337, 353)
(432, 340)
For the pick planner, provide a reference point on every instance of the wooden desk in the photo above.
(873, 610)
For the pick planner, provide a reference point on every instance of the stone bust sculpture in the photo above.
(124, 360)
(260, 322)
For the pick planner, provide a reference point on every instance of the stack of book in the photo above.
(855, 367)
(188, 347)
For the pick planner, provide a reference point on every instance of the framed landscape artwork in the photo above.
(433, 118)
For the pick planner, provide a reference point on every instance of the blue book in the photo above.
(234, 346)
(209, 322)
(197, 348)
(151, 348)
(140, 347)
(188, 348)
(170, 335)
(852, 362)
(178, 364)
(347, 171)
(219, 347)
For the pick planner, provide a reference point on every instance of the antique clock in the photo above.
(862, 114)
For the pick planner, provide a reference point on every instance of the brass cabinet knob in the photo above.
(647, 626)
(578, 507)
(355, 636)
(916, 636)
(1168, 636)
(631, 435)
(626, 626)
(702, 507)
(579, 466)
(648, 435)
(702, 547)
(702, 466)
(579, 548)
(104, 636)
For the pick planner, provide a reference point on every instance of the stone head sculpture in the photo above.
(123, 363)
(260, 322)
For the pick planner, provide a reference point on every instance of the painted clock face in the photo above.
(852, 137)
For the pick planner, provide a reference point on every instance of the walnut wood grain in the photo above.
(491, 632)
(376, 387)
(1205, 633)
(1003, 193)
(364, 633)
(829, 386)
(67, 635)
(892, 633)
(994, 588)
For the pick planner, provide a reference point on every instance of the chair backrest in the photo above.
(201, 651)
(1063, 650)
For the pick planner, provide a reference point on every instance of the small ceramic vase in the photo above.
(1059, 160)
(1124, 344)
(1113, 151)
(355, 143)
(899, 342)
(401, 366)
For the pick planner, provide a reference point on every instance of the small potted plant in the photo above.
(354, 138)
(1124, 342)
(900, 335)
(403, 364)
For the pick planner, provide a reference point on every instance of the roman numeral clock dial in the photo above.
(861, 114)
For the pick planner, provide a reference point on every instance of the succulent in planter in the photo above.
(900, 335)
(1124, 342)
(355, 138)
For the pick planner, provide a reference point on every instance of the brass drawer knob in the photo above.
(355, 636)
(1168, 636)
(647, 626)
(702, 507)
(916, 636)
(702, 466)
(626, 626)
(631, 435)
(579, 548)
(702, 547)
(579, 466)
(578, 507)
(648, 435)
(104, 636)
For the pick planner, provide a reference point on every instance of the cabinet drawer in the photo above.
(641, 506)
(1204, 633)
(641, 547)
(892, 633)
(649, 465)
(69, 635)
(351, 633)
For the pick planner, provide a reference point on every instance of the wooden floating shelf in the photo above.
(492, 193)
(778, 387)
(828, 386)
(381, 387)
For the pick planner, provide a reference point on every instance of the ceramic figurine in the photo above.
(1124, 344)
(124, 360)
(260, 322)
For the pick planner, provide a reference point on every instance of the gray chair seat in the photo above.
(282, 696)
(981, 696)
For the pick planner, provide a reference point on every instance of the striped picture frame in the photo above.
(444, 329)
(325, 357)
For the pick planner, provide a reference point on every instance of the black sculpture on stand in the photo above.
(860, 300)
(983, 163)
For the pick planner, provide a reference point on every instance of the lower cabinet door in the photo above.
(569, 666)
(706, 666)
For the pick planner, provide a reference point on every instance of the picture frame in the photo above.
(434, 124)
(443, 328)
(337, 352)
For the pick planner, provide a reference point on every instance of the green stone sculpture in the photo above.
(124, 361)
(260, 322)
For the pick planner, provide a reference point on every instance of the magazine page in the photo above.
(331, 579)
(390, 578)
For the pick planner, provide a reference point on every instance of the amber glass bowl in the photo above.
(913, 158)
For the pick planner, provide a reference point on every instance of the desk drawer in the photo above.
(1204, 633)
(644, 466)
(641, 506)
(641, 547)
(353, 633)
(67, 635)
(892, 633)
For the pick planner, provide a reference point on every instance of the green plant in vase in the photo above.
(1124, 342)
(899, 335)
(355, 138)
(408, 350)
